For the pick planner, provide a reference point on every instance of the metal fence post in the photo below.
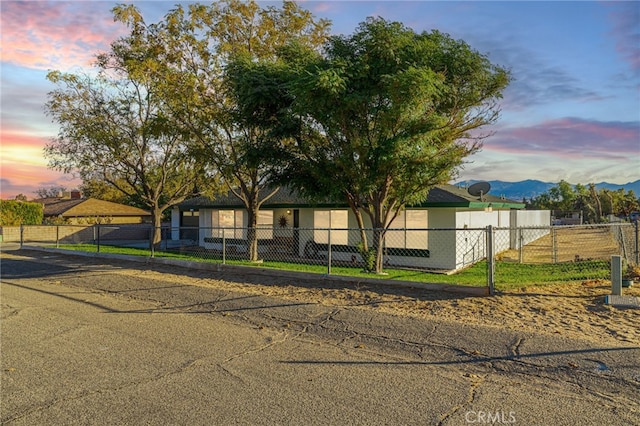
(224, 247)
(554, 244)
(97, 230)
(520, 246)
(152, 231)
(21, 235)
(57, 236)
(623, 244)
(329, 252)
(491, 265)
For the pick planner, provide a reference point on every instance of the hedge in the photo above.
(15, 213)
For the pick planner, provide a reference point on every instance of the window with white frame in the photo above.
(265, 224)
(408, 230)
(335, 222)
(231, 222)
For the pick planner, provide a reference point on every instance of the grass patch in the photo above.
(508, 275)
(512, 275)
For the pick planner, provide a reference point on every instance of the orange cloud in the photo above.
(24, 167)
(27, 179)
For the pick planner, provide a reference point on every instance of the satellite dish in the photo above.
(478, 189)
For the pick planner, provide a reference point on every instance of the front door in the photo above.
(296, 232)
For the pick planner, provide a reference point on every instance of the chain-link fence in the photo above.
(562, 253)
(504, 257)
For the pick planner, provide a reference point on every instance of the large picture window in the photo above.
(265, 224)
(408, 230)
(335, 220)
(231, 222)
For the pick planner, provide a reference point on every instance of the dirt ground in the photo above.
(575, 310)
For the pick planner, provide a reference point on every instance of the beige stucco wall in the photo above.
(107, 220)
(456, 238)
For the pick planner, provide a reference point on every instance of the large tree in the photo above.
(116, 127)
(194, 47)
(385, 114)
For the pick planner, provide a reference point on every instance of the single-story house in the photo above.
(446, 231)
(76, 210)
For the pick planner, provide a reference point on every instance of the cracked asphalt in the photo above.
(83, 344)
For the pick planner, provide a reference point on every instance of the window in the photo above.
(231, 219)
(408, 230)
(265, 224)
(336, 220)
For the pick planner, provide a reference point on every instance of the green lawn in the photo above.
(508, 275)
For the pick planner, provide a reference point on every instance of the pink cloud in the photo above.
(13, 136)
(24, 179)
(625, 17)
(54, 35)
(321, 7)
(570, 137)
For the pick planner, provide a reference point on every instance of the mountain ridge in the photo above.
(531, 188)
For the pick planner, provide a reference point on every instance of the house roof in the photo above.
(439, 196)
(283, 198)
(87, 207)
(455, 196)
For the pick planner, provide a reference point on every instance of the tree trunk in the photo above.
(252, 234)
(364, 244)
(157, 226)
(380, 221)
(378, 244)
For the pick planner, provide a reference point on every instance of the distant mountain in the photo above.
(532, 188)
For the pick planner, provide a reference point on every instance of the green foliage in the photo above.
(368, 257)
(595, 205)
(386, 114)
(102, 190)
(16, 213)
(55, 220)
(119, 127)
(190, 52)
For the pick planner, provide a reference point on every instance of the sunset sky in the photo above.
(572, 112)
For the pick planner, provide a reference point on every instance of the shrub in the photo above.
(16, 213)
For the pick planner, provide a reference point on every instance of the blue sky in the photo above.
(572, 111)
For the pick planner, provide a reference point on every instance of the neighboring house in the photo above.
(560, 217)
(446, 231)
(87, 211)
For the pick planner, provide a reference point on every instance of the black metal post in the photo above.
(490, 261)
(329, 252)
(224, 247)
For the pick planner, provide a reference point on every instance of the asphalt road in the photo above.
(84, 345)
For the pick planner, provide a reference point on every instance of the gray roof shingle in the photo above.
(439, 196)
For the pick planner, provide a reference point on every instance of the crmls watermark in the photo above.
(490, 417)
